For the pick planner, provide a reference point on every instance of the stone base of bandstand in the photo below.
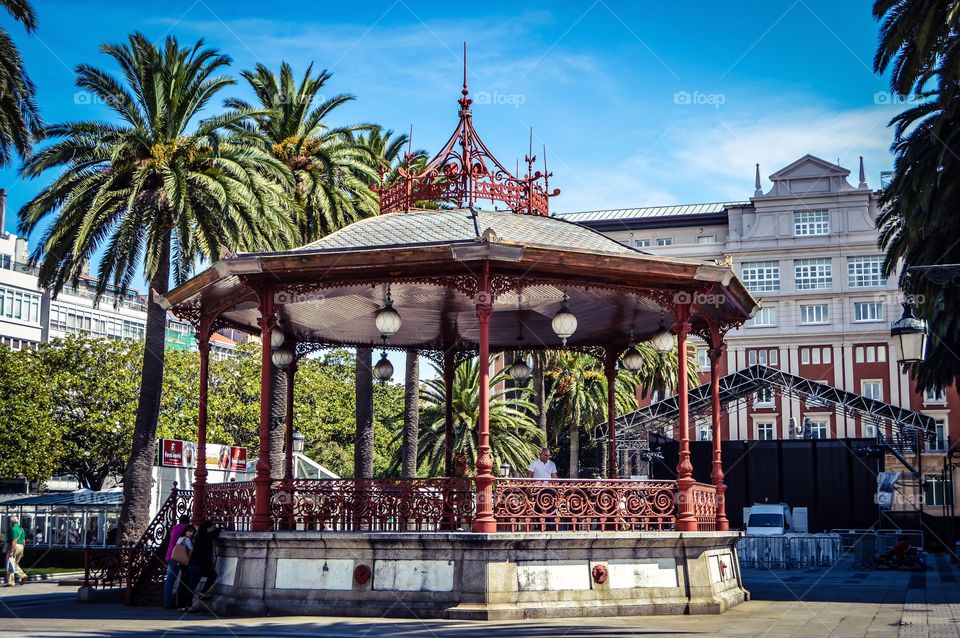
(469, 576)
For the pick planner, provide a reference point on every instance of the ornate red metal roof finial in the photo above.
(465, 171)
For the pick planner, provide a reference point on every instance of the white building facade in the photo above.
(807, 248)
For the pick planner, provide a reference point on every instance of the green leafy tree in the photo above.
(576, 398)
(920, 45)
(514, 436)
(19, 117)
(30, 441)
(94, 387)
(157, 189)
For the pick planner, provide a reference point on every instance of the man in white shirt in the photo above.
(542, 468)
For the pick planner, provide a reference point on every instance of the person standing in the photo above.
(201, 561)
(16, 538)
(543, 467)
(173, 567)
(182, 558)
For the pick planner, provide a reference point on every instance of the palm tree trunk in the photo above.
(363, 444)
(411, 414)
(278, 412)
(540, 393)
(575, 443)
(138, 479)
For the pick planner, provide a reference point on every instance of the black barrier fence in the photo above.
(829, 477)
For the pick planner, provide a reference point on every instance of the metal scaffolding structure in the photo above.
(896, 427)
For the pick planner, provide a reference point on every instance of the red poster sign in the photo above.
(175, 453)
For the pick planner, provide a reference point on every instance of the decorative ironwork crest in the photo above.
(465, 171)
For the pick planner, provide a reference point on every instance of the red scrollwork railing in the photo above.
(374, 505)
(230, 505)
(522, 505)
(704, 498)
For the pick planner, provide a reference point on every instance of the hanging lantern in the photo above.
(282, 357)
(662, 341)
(909, 336)
(632, 359)
(383, 371)
(276, 338)
(564, 322)
(388, 319)
(519, 371)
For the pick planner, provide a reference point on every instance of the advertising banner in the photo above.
(232, 458)
(176, 453)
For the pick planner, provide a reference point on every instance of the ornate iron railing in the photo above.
(105, 567)
(704, 498)
(147, 565)
(449, 505)
(524, 505)
(374, 505)
(229, 505)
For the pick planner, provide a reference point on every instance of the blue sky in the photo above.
(599, 81)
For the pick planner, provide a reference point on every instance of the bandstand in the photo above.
(436, 274)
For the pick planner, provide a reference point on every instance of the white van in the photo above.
(769, 520)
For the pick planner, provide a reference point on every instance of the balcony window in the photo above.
(865, 272)
(765, 317)
(815, 314)
(808, 223)
(813, 274)
(760, 276)
(868, 311)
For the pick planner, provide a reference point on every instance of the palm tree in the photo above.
(157, 189)
(390, 151)
(332, 174)
(919, 40)
(387, 152)
(411, 414)
(332, 171)
(514, 437)
(363, 451)
(577, 392)
(19, 118)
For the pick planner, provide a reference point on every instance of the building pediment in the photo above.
(809, 166)
(809, 175)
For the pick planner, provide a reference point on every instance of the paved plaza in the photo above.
(811, 602)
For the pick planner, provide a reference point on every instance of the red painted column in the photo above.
(686, 521)
(200, 474)
(610, 369)
(484, 523)
(261, 495)
(716, 475)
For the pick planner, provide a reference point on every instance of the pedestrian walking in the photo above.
(201, 561)
(16, 538)
(173, 568)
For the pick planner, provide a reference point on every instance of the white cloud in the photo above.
(709, 159)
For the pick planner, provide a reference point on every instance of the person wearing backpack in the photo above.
(173, 568)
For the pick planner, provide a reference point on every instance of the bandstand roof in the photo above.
(328, 292)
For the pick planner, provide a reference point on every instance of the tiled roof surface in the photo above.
(648, 212)
(454, 226)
